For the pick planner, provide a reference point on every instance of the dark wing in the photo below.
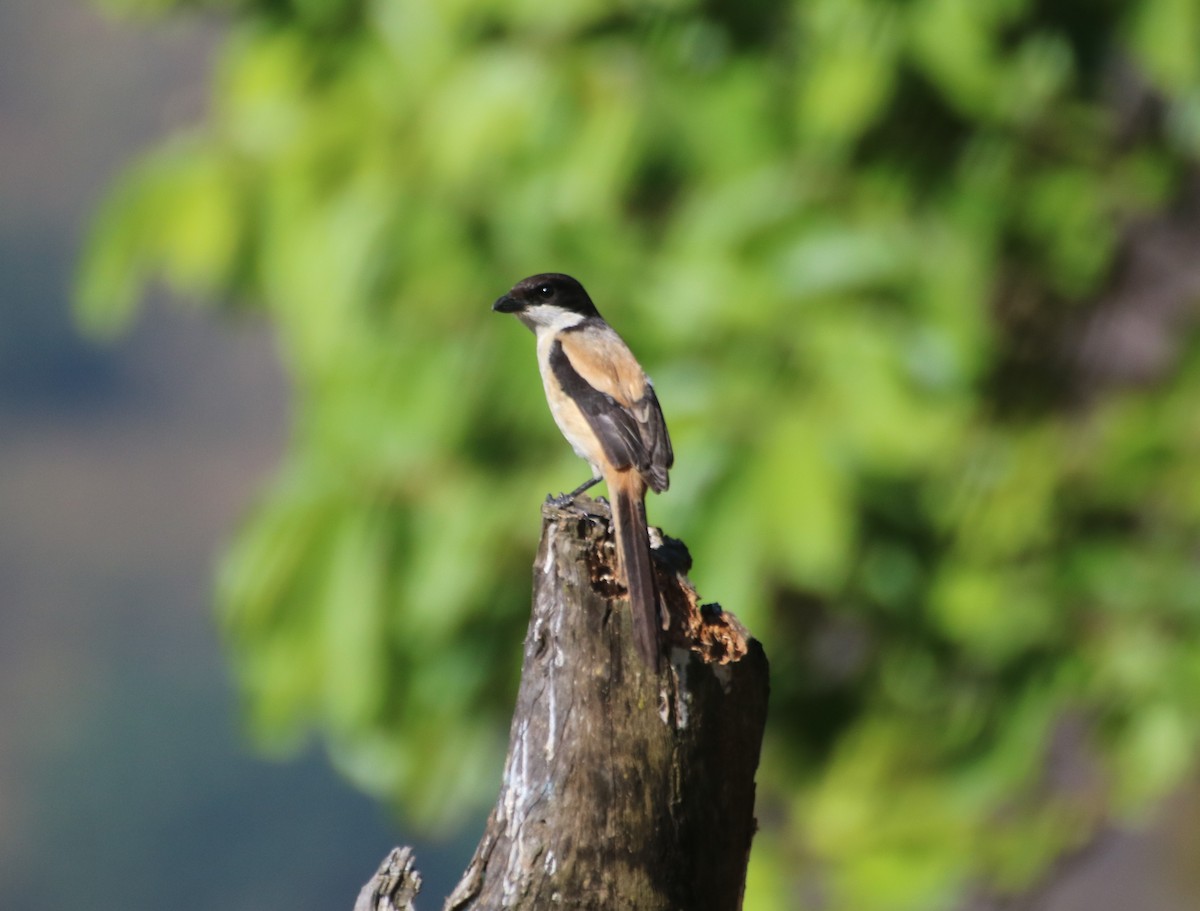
(633, 435)
(615, 426)
(656, 440)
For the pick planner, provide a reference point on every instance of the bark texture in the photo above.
(394, 885)
(623, 789)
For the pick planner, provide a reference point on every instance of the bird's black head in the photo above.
(547, 291)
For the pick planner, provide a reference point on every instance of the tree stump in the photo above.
(623, 789)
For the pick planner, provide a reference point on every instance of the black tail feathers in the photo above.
(633, 545)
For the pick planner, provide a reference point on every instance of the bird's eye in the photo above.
(545, 291)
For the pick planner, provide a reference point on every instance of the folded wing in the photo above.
(601, 375)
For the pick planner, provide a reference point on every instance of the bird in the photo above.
(605, 406)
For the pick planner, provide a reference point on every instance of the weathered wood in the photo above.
(394, 885)
(622, 789)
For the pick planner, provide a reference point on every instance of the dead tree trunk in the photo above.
(622, 789)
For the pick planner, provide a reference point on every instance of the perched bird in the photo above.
(605, 406)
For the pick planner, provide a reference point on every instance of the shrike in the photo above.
(605, 406)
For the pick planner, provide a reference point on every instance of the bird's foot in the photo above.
(566, 499)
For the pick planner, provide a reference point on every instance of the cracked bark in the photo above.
(622, 788)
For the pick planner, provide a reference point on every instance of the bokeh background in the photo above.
(917, 282)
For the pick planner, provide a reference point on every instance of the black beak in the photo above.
(507, 304)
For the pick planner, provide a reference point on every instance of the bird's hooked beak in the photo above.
(507, 304)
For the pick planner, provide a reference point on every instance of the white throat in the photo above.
(547, 319)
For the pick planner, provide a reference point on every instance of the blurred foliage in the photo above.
(858, 244)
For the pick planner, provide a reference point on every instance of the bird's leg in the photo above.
(565, 499)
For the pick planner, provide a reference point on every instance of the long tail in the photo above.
(633, 546)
